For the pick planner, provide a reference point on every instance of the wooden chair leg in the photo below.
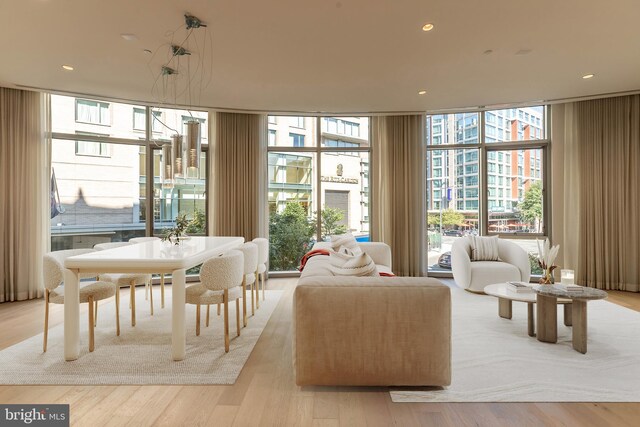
(132, 285)
(95, 315)
(218, 309)
(226, 320)
(244, 301)
(46, 320)
(162, 290)
(91, 325)
(238, 315)
(117, 311)
(264, 275)
(151, 296)
(198, 320)
(208, 307)
(256, 288)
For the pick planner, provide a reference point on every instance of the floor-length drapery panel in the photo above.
(237, 202)
(398, 190)
(603, 160)
(24, 192)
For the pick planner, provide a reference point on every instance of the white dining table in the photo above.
(147, 257)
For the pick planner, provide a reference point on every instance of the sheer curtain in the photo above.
(238, 199)
(398, 191)
(25, 164)
(602, 198)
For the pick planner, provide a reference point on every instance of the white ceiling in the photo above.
(331, 56)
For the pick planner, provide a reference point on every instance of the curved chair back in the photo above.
(250, 252)
(53, 266)
(223, 272)
(263, 249)
(110, 245)
(143, 239)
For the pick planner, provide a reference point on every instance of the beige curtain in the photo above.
(602, 178)
(398, 191)
(24, 192)
(237, 199)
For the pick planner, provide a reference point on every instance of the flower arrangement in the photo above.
(546, 257)
(178, 233)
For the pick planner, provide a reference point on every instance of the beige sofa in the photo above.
(370, 331)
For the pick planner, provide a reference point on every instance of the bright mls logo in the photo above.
(34, 415)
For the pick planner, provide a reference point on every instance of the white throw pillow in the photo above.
(359, 265)
(348, 241)
(484, 248)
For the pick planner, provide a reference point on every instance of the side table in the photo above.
(547, 327)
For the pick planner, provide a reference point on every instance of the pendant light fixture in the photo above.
(193, 148)
(183, 158)
(167, 167)
(177, 156)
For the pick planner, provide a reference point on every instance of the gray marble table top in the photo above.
(559, 291)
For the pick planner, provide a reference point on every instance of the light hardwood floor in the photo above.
(265, 393)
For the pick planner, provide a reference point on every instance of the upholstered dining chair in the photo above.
(151, 239)
(250, 252)
(90, 291)
(263, 258)
(220, 281)
(124, 280)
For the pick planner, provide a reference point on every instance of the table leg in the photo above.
(178, 336)
(531, 329)
(568, 317)
(504, 308)
(579, 326)
(547, 312)
(71, 315)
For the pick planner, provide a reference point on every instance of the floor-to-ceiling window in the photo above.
(104, 187)
(318, 185)
(486, 174)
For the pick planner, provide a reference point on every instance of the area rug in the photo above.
(494, 360)
(140, 355)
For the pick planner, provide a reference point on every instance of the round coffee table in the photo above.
(547, 298)
(506, 297)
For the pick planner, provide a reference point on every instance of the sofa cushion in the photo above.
(493, 272)
(348, 241)
(484, 248)
(358, 265)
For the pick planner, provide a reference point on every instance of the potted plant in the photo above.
(177, 234)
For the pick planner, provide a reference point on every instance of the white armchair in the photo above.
(474, 276)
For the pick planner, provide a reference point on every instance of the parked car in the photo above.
(457, 233)
(445, 260)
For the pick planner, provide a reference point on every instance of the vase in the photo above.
(547, 277)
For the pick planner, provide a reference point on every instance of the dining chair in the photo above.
(151, 239)
(90, 291)
(123, 280)
(263, 258)
(220, 282)
(250, 252)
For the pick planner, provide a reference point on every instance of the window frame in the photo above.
(318, 149)
(108, 104)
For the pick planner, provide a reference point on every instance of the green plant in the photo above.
(290, 234)
(531, 206)
(177, 232)
(535, 266)
(197, 224)
(330, 218)
(449, 218)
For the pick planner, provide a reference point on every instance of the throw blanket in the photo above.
(313, 253)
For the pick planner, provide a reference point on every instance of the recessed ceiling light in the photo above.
(147, 51)
(129, 37)
(68, 67)
(422, 92)
(427, 27)
(587, 76)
